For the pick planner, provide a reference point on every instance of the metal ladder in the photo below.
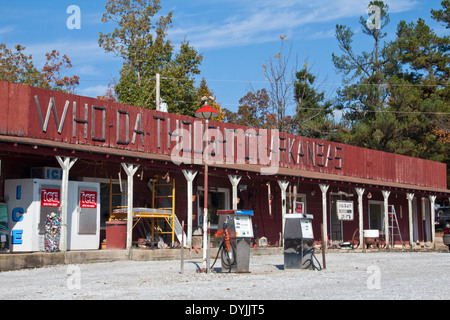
(394, 229)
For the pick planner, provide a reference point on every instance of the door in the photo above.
(218, 199)
(415, 223)
(336, 231)
(50, 218)
(376, 215)
(87, 210)
(426, 218)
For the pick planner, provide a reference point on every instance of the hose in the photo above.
(226, 261)
(311, 261)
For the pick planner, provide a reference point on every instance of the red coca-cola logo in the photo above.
(88, 199)
(50, 198)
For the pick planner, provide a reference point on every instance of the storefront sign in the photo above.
(185, 139)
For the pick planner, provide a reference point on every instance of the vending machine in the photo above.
(34, 215)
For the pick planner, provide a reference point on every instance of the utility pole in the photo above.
(158, 91)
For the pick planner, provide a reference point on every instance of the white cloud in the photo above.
(253, 23)
(6, 29)
(77, 51)
(93, 91)
(87, 70)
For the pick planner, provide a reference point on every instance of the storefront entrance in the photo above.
(376, 215)
(218, 199)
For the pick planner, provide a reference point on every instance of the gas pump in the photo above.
(236, 231)
(298, 242)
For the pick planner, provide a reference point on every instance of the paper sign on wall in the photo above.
(345, 210)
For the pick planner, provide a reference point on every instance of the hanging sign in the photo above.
(344, 210)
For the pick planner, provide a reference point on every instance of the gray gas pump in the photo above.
(298, 242)
(236, 230)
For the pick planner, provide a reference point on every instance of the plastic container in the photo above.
(116, 235)
(371, 233)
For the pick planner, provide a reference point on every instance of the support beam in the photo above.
(294, 198)
(234, 179)
(324, 189)
(130, 170)
(66, 163)
(410, 197)
(432, 220)
(283, 186)
(360, 192)
(190, 176)
(386, 217)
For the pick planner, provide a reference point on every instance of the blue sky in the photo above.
(236, 37)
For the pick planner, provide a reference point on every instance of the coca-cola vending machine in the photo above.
(34, 215)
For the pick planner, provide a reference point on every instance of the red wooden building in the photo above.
(272, 170)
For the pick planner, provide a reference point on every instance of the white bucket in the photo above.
(371, 233)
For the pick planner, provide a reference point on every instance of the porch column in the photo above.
(234, 179)
(190, 176)
(324, 189)
(386, 217)
(283, 186)
(66, 163)
(433, 233)
(410, 197)
(130, 170)
(360, 192)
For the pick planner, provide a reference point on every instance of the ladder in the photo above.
(165, 190)
(394, 229)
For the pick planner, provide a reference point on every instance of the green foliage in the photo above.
(396, 98)
(204, 91)
(140, 39)
(254, 111)
(17, 67)
(314, 112)
(443, 15)
(363, 93)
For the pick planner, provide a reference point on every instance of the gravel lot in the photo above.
(360, 276)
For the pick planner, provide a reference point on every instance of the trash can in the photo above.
(116, 234)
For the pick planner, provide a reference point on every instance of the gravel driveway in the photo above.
(361, 276)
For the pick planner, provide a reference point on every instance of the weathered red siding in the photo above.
(20, 117)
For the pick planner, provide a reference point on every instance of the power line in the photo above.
(292, 82)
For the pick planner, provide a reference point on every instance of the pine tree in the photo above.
(314, 112)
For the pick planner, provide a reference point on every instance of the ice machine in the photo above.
(34, 215)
